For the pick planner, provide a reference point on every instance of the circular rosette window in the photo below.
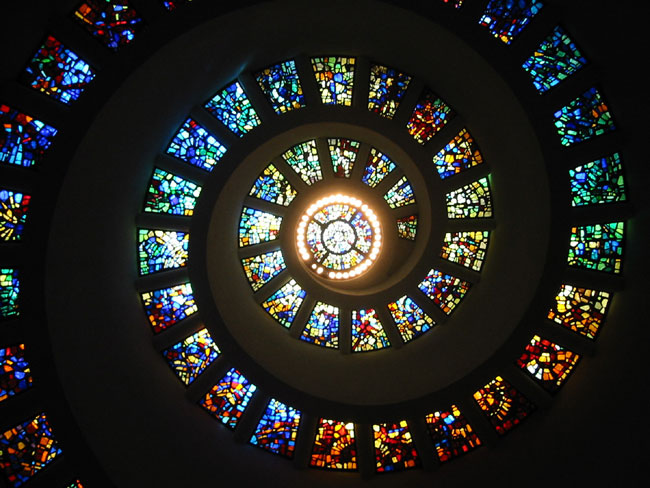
(339, 237)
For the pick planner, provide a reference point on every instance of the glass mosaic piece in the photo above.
(233, 109)
(505, 19)
(407, 227)
(23, 139)
(167, 306)
(334, 446)
(284, 304)
(159, 250)
(256, 226)
(445, 290)
(554, 60)
(454, 3)
(580, 309)
(400, 195)
(472, 201)
(58, 72)
(394, 447)
(410, 319)
(114, 22)
(599, 181)
(75, 484)
(228, 399)
(196, 146)
(263, 268)
(335, 79)
(322, 328)
(13, 214)
(387, 88)
(466, 248)
(27, 449)
(583, 118)
(189, 358)
(277, 430)
(273, 187)
(9, 290)
(303, 159)
(503, 405)
(343, 153)
(367, 332)
(169, 193)
(430, 115)
(377, 168)
(549, 363)
(451, 434)
(15, 373)
(281, 85)
(459, 155)
(597, 247)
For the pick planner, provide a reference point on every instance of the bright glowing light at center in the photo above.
(339, 234)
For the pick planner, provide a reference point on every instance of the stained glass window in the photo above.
(75, 484)
(322, 328)
(113, 22)
(430, 115)
(503, 405)
(394, 448)
(281, 85)
(583, 118)
(284, 304)
(256, 226)
(233, 109)
(466, 248)
(159, 250)
(273, 187)
(303, 159)
(451, 434)
(173, 4)
(196, 146)
(15, 373)
(228, 399)
(599, 181)
(9, 289)
(13, 214)
(27, 449)
(387, 88)
(171, 194)
(470, 201)
(407, 227)
(263, 268)
(335, 78)
(556, 58)
(277, 429)
(410, 319)
(189, 358)
(580, 309)
(334, 446)
(598, 247)
(377, 168)
(505, 19)
(58, 72)
(167, 306)
(400, 195)
(23, 139)
(344, 154)
(367, 332)
(459, 155)
(549, 363)
(445, 290)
